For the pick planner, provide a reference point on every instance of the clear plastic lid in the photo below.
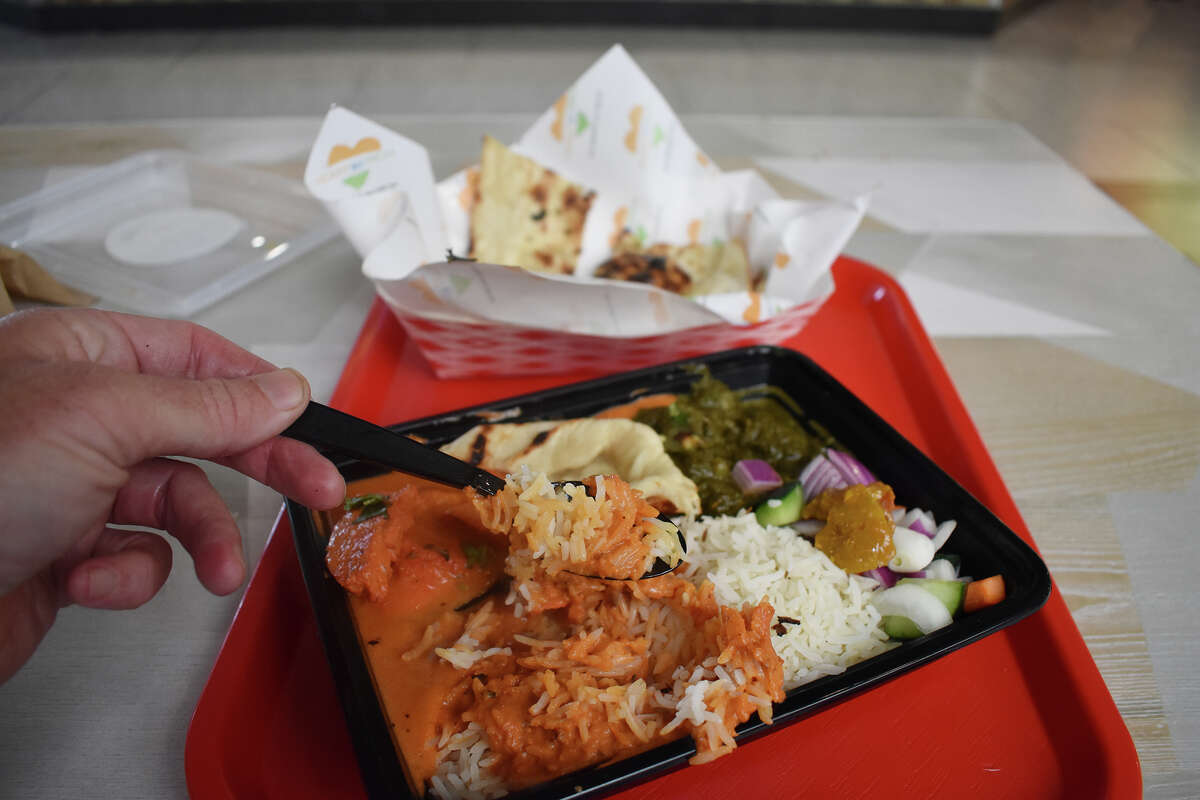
(164, 232)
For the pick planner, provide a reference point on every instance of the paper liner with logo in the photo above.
(612, 132)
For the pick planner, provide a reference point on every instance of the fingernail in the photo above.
(101, 582)
(283, 387)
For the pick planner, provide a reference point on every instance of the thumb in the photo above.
(208, 418)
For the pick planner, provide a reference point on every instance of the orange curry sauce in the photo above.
(444, 558)
(408, 572)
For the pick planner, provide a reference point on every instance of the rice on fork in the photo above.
(600, 526)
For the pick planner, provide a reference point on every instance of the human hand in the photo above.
(90, 404)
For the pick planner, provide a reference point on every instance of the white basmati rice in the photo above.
(465, 652)
(838, 624)
(463, 763)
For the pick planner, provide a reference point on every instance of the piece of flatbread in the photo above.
(526, 215)
(579, 448)
(718, 268)
(690, 270)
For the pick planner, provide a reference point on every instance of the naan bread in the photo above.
(716, 268)
(655, 268)
(580, 448)
(690, 270)
(526, 215)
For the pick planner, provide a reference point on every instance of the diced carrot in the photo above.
(983, 593)
(630, 410)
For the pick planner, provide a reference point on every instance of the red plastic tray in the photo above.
(1023, 713)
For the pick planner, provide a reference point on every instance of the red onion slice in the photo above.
(819, 476)
(922, 523)
(850, 467)
(806, 474)
(754, 475)
(885, 576)
(833, 469)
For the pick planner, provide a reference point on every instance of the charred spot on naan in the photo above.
(479, 447)
(690, 270)
(665, 505)
(479, 451)
(657, 270)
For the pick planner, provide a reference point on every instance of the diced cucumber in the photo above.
(782, 506)
(949, 592)
(901, 628)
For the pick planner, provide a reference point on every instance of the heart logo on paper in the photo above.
(340, 152)
(356, 181)
(460, 283)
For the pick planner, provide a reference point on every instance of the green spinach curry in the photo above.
(712, 427)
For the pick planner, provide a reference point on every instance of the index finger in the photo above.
(170, 348)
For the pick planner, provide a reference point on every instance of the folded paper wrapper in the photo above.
(20, 275)
(614, 133)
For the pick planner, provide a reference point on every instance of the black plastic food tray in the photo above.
(984, 543)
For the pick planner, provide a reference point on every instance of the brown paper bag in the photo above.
(23, 277)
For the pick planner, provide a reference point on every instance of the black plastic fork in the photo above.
(333, 430)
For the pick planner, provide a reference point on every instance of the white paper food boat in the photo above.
(612, 132)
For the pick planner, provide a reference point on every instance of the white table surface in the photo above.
(1069, 329)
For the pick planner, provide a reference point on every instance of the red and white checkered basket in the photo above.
(461, 350)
